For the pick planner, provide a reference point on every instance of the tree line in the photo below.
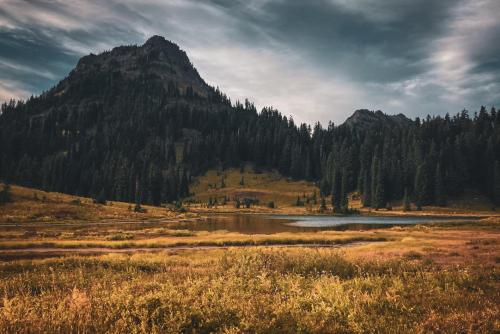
(141, 141)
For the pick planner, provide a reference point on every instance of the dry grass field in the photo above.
(68, 265)
(247, 291)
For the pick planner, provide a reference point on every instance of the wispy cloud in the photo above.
(315, 60)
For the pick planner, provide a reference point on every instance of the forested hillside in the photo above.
(138, 123)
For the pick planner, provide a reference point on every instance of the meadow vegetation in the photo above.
(247, 291)
(412, 279)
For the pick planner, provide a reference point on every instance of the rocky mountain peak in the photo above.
(364, 118)
(157, 59)
(157, 41)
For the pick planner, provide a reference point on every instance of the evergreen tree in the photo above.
(138, 195)
(344, 201)
(322, 207)
(374, 180)
(406, 201)
(184, 185)
(101, 197)
(419, 188)
(5, 194)
(296, 167)
(439, 188)
(336, 191)
(121, 184)
(496, 182)
(155, 185)
(380, 195)
(367, 190)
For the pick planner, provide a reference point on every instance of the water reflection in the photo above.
(270, 224)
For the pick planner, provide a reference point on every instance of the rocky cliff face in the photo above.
(366, 118)
(157, 60)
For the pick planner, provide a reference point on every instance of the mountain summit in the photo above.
(364, 118)
(157, 60)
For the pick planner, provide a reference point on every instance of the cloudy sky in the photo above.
(314, 60)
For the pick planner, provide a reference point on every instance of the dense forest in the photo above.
(143, 139)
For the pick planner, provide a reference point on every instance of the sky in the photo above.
(316, 60)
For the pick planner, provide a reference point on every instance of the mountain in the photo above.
(364, 118)
(138, 123)
(157, 60)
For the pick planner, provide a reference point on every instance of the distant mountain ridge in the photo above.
(364, 118)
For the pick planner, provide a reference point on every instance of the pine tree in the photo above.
(5, 194)
(344, 200)
(138, 195)
(121, 183)
(419, 188)
(496, 182)
(155, 185)
(297, 166)
(374, 181)
(184, 185)
(439, 188)
(322, 207)
(380, 195)
(367, 190)
(406, 201)
(336, 191)
(101, 197)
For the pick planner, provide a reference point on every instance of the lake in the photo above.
(269, 224)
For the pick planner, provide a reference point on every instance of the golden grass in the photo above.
(266, 186)
(246, 291)
(32, 205)
(197, 239)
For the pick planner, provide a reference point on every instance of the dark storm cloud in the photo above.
(382, 41)
(313, 59)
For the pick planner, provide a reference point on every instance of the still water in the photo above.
(269, 224)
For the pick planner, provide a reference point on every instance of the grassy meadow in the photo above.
(247, 291)
(68, 265)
